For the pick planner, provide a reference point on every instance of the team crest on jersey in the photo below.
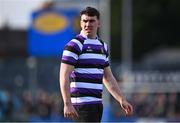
(89, 49)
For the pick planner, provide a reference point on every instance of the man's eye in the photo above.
(91, 21)
(85, 21)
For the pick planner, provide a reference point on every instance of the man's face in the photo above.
(89, 25)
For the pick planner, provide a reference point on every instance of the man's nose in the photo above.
(88, 23)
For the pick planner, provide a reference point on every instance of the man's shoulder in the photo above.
(80, 38)
(103, 42)
(77, 39)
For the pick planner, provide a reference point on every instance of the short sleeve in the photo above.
(71, 52)
(107, 55)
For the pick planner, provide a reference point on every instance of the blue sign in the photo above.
(50, 30)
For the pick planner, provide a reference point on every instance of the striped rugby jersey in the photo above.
(89, 57)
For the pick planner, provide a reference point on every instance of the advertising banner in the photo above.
(50, 30)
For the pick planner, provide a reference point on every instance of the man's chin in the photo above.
(88, 33)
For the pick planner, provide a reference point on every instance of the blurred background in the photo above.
(143, 37)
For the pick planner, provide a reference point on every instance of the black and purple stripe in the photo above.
(83, 93)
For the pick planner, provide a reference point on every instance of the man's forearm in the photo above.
(65, 71)
(65, 90)
(114, 89)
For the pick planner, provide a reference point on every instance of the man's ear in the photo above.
(99, 23)
(80, 24)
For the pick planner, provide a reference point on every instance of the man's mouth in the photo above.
(88, 29)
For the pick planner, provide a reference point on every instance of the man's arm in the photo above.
(112, 86)
(64, 82)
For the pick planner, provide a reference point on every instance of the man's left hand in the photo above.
(127, 107)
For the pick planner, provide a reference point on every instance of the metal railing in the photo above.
(151, 82)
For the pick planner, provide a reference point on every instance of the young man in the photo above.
(84, 69)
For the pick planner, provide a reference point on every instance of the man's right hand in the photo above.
(70, 112)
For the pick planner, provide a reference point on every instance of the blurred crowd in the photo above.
(45, 106)
(21, 102)
(42, 106)
(152, 105)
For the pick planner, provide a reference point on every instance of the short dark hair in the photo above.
(90, 11)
